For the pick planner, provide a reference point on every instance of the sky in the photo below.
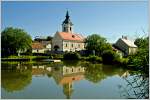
(110, 19)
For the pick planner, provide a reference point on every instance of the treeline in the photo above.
(15, 41)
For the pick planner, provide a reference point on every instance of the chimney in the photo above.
(124, 37)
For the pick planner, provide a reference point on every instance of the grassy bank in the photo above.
(24, 58)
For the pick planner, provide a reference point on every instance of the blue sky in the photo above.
(109, 19)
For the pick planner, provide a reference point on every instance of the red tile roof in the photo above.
(37, 45)
(70, 79)
(71, 36)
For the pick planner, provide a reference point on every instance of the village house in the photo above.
(126, 46)
(67, 40)
(41, 47)
(37, 47)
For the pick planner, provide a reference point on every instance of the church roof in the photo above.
(71, 36)
(70, 79)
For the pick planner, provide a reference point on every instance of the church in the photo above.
(67, 40)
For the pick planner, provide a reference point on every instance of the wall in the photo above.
(38, 50)
(77, 46)
(57, 41)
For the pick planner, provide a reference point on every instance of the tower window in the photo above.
(72, 45)
(64, 29)
(70, 28)
(66, 44)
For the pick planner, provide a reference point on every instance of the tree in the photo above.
(141, 59)
(142, 42)
(97, 44)
(14, 41)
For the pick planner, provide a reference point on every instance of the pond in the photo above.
(70, 79)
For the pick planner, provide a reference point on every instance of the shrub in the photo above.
(40, 57)
(94, 58)
(110, 56)
(57, 56)
(71, 56)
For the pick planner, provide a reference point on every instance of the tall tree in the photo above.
(141, 59)
(14, 40)
(97, 44)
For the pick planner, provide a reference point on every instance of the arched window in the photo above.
(56, 47)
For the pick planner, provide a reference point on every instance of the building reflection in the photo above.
(40, 70)
(66, 76)
(16, 77)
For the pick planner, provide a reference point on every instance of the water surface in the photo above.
(77, 80)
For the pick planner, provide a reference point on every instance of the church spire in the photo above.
(67, 24)
(67, 15)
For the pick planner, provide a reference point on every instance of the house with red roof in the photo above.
(67, 40)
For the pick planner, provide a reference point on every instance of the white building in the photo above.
(67, 40)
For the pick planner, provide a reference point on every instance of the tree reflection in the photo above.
(94, 73)
(137, 87)
(71, 62)
(15, 78)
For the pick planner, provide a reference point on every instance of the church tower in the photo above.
(67, 25)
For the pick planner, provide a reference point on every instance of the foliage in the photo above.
(142, 42)
(94, 73)
(15, 79)
(69, 63)
(14, 40)
(94, 58)
(110, 56)
(57, 56)
(71, 56)
(140, 60)
(97, 44)
(28, 57)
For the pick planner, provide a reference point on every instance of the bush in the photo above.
(57, 56)
(40, 57)
(71, 56)
(110, 56)
(94, 58)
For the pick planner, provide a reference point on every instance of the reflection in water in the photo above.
(65, 76)
(17, 76)
(15, 79)
(137, 87)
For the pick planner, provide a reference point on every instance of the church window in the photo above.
(66, 44)
(72, 45)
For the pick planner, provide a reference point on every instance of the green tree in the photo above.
(141, 59)
(142, 42)
(14, 41)
(97, 44)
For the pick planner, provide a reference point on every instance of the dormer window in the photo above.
(73, 36)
